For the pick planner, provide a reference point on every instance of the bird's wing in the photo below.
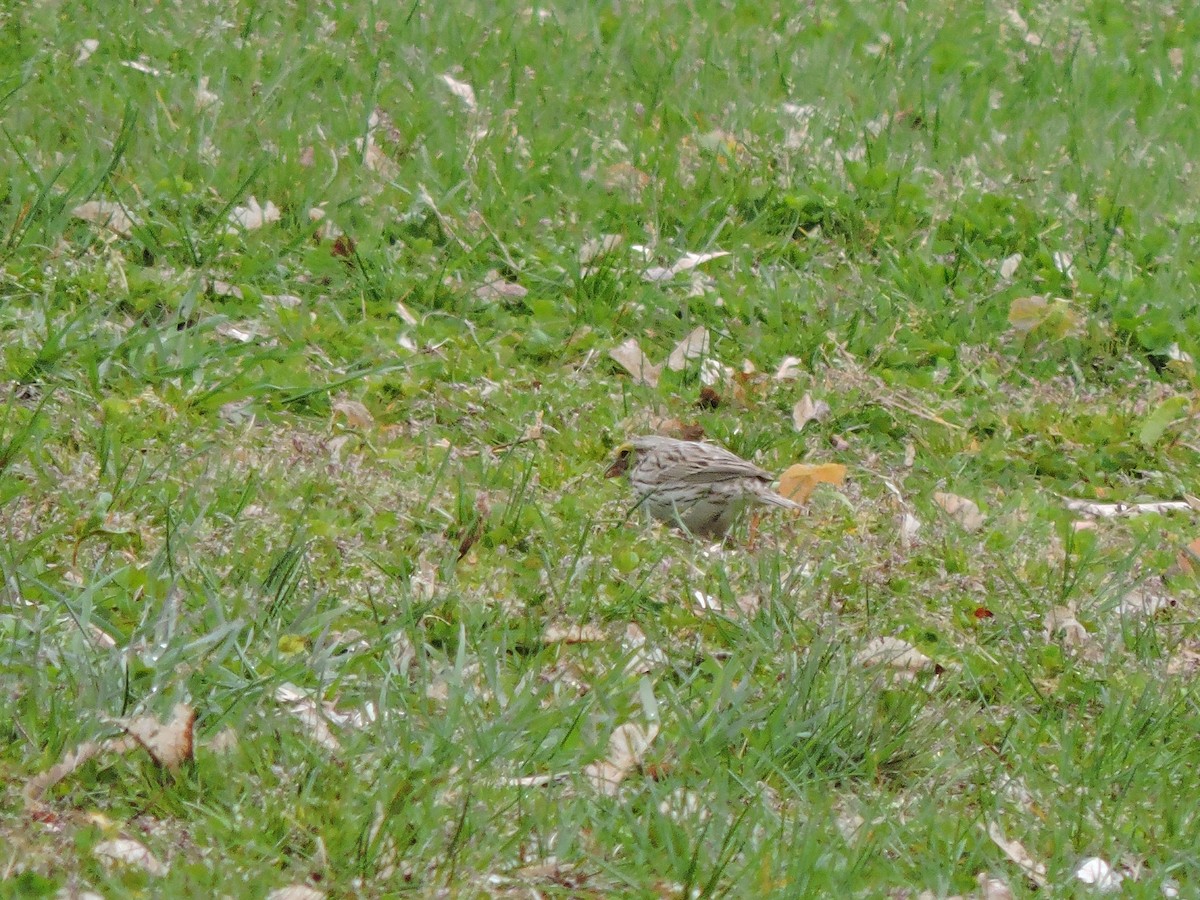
(718, 465)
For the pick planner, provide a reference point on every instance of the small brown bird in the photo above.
(700, 487)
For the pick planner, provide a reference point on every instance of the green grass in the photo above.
(188, 513)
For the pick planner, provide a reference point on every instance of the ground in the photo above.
(321, 321)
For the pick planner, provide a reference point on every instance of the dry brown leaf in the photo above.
(671, 427)
(124, 851)
(169, 743)
(630, 357)
(694, 346)
(106, 214)
(355, 413)
(1015, 851)
(573, 634)
(798, 481)
(626, 747)
(1188, 559)
(894, 653)
(808, 410)
(965, 512)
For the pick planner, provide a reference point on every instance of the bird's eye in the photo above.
(624, 454)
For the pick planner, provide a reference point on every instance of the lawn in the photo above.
(321, 321)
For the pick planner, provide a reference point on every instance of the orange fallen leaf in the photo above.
(1189, 558)
(798, 481)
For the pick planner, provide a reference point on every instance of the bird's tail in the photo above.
(766, 495)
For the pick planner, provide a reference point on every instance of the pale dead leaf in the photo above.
(747, 605)
(894, 653)
(963, 511)
(37, 786)
(713, 371)
(1008, 268)
(808, 410)
(573, 634)
(630, 357)
(789, 369)
(626, 746)
(1014, 850)
(106, 214)
(462, 91)
(1145, 600)
(910, 525)
(127, 852)
(169, 743)
(84, 50)
(496, 287)
(1064, 263)
(1186, 661)
(376, 160)
(625, 177)
(1175, 58)
(223, 741)
(694, 346)
(234, 332)
(685, 263)
(354, 412)
(252, 216)
(643, 658)
(141, 65)
(204, 97)
(992, 888)
(223, 288)
(598, 247)
(310, 714)
(1062, 618)
(296, 892)
(405, 314)
(690, 260)
(1114, 510)
(1099, 874)
(798, 481)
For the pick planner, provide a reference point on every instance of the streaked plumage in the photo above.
(701, 487)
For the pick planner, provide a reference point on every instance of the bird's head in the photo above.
(621, 464)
